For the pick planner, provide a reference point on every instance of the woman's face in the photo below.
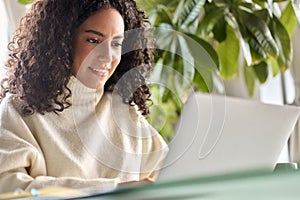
(97, 47)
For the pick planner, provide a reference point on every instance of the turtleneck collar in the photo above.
(83, 95)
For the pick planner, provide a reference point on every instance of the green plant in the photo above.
(255, 30)
(25, 1)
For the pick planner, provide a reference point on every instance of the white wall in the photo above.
(14, 13)
(10, 14)
(4, 36)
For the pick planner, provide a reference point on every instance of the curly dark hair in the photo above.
(40, 60)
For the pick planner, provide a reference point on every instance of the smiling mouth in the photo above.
(100, 72)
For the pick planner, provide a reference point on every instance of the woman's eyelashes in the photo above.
(117, 44)
(92, 40)
(97, 41)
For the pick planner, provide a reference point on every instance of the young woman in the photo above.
(73, 105)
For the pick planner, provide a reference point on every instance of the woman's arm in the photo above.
(23, 167)
(22, 161)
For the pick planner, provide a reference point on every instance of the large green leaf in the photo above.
(263, 14)
(190, 12)
(261, 71)
(182, 80)
(203, 52)
(228, 52)
(257, 52)
(206, 62)
(178, 11)
(284, 44)
(240, 32)
(184, 65)
(203, 79)
(260, 31)
(25, 1)
(164, 36)
(210, 19)
(219, 30)
(250, 79)
(161, 74)
(289, 19)
(274, 66)
(178, 71)
(161, 15)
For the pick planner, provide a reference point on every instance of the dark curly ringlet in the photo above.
(40, 60)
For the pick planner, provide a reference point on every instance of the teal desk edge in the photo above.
(281, 184)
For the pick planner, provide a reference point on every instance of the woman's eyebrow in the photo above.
(119, 37)
(95, 32)
(102, 35)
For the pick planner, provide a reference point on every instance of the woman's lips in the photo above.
(103, 72)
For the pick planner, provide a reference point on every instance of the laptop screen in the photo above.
(218, 134)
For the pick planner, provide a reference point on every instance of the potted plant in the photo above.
(257, 32)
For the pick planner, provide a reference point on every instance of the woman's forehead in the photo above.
(106, 21)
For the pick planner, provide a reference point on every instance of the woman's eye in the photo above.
(117, 44)
(92, 40)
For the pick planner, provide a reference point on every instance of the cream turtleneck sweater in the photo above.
(98, 141)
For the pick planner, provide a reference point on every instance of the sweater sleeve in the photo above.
(22, 162)
(22, 167)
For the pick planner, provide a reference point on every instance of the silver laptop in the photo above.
(220, 134)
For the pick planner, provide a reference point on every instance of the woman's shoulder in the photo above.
(118, 106)
(129, 117)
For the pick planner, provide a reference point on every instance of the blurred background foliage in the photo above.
(26, 1)
(249, 35)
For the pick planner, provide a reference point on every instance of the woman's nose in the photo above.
(105, 52)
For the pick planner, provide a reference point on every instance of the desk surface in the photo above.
(250, 185)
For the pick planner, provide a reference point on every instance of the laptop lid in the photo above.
(218, 134)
